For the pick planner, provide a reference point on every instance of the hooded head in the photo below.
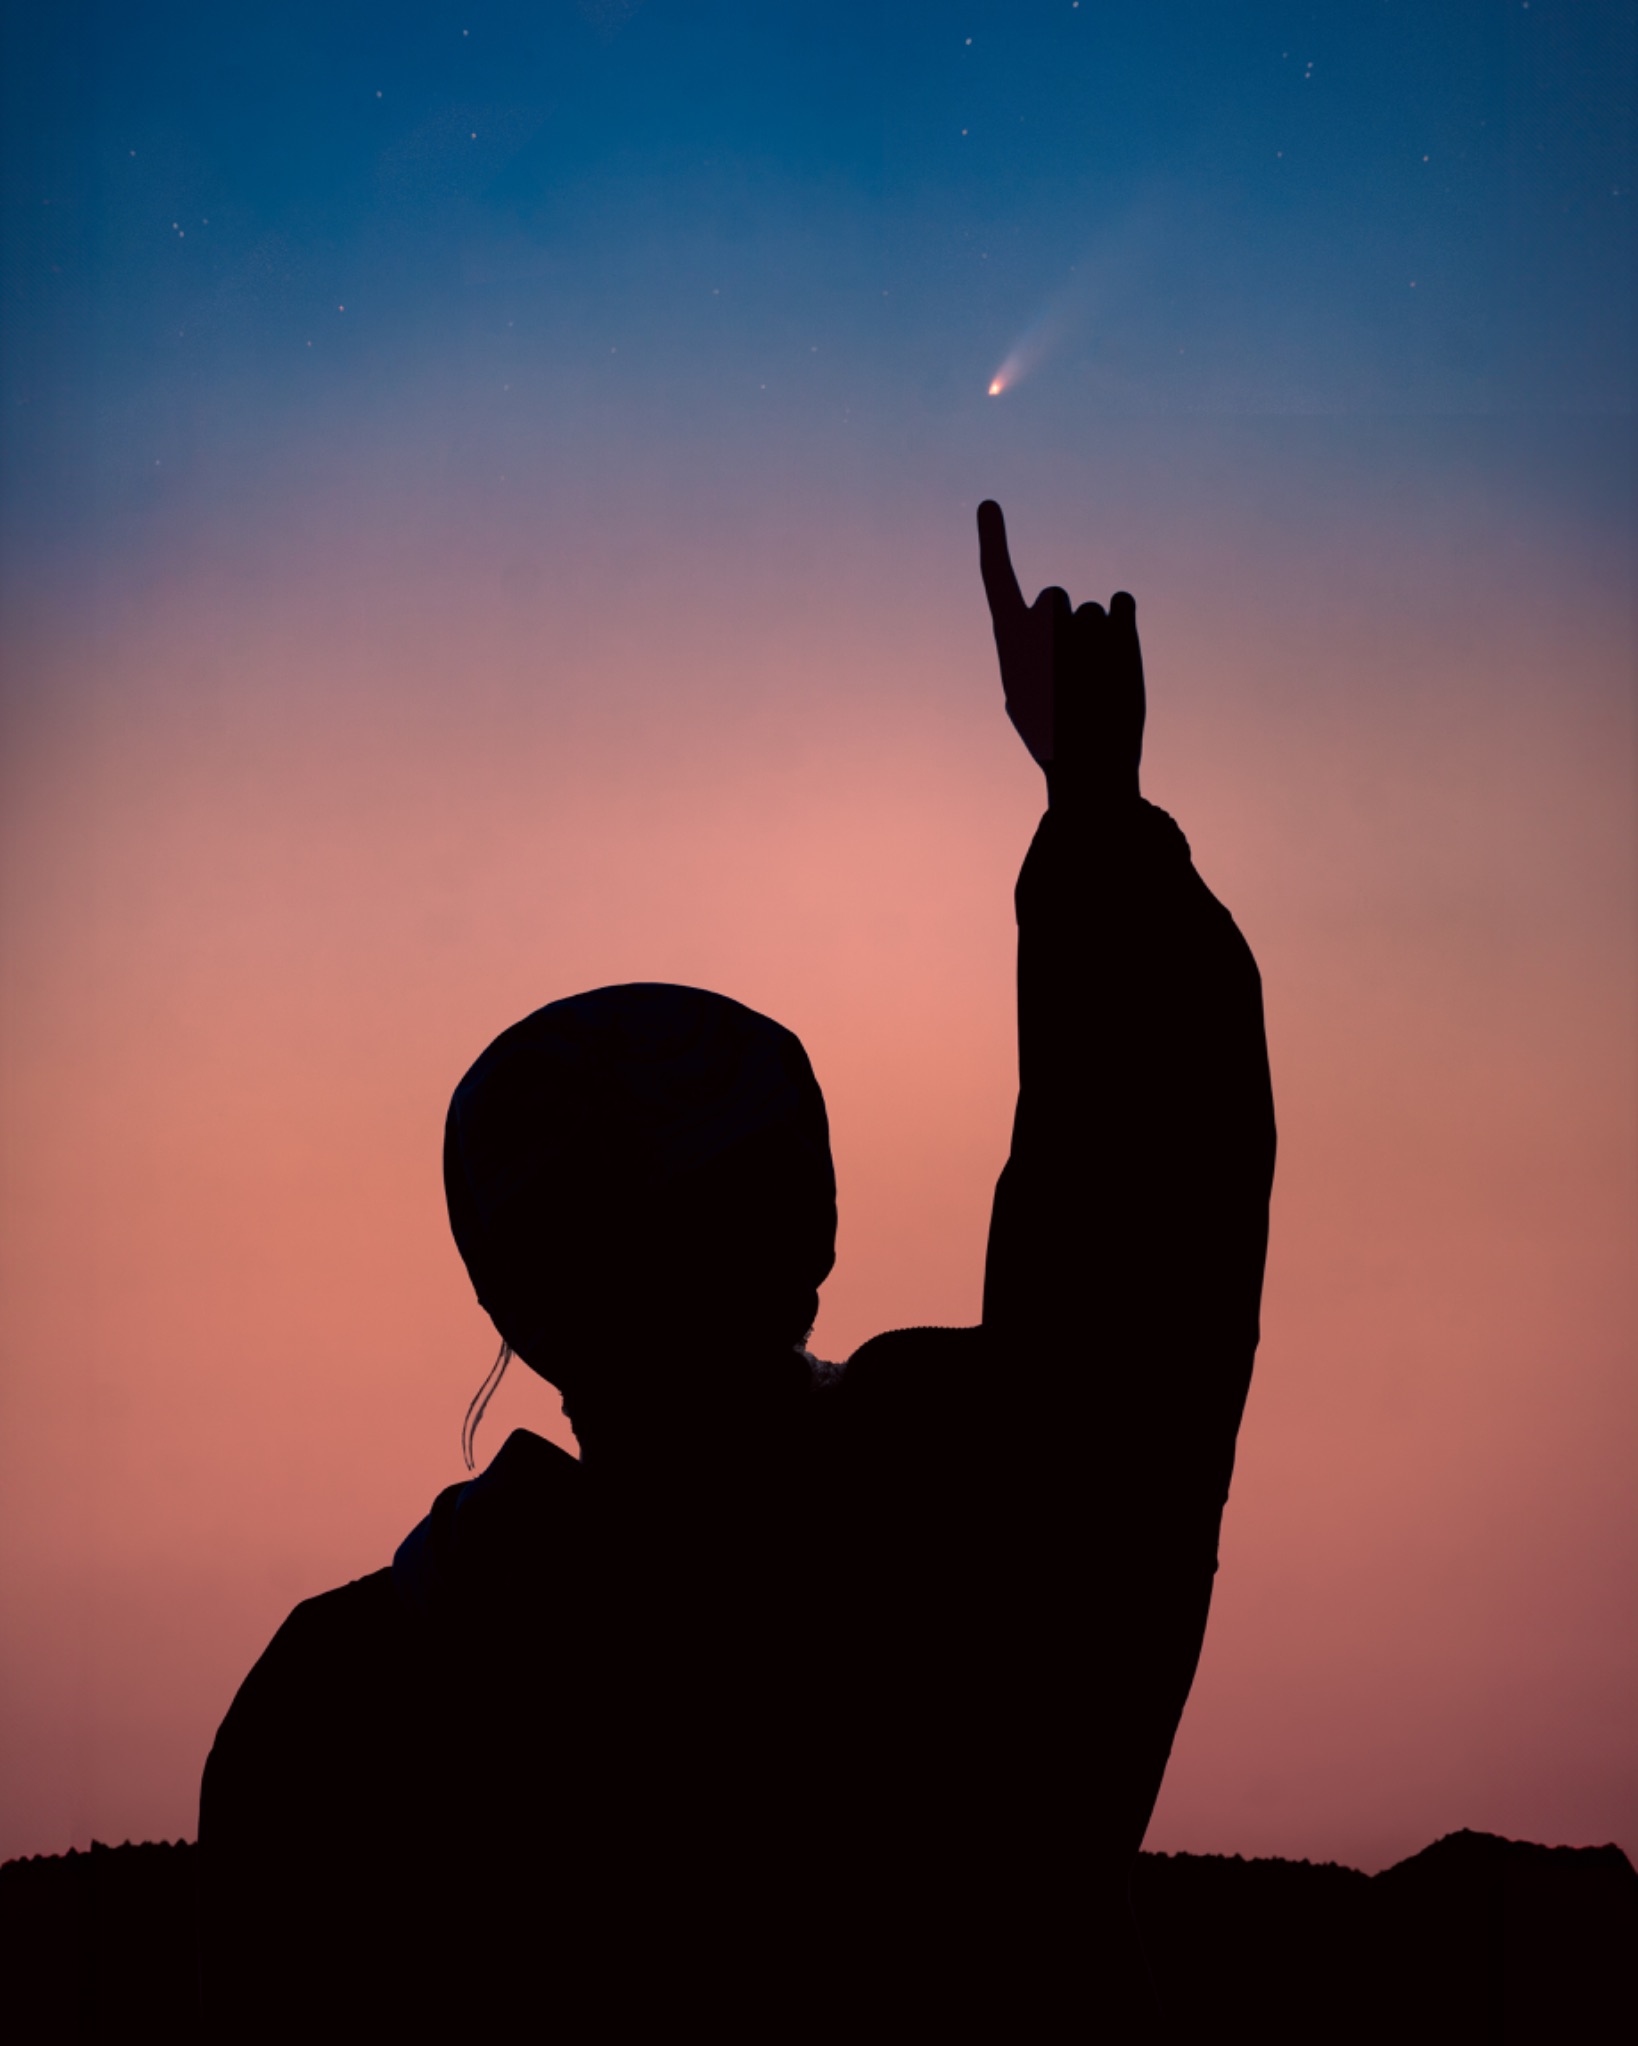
(638, 1162)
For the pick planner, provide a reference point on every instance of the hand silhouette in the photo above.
(1073, 679)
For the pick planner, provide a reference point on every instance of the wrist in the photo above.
(1128, 832)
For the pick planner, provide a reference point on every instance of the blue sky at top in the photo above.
(481, 240)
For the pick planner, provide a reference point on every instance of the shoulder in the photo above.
(923, 1352)
(354, 1624)
(333, 1676)
(329, 1648)
(914, 1385)
(343, 1619)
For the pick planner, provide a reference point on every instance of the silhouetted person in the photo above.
(805, 1700)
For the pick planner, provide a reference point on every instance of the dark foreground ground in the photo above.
(1474, 1939)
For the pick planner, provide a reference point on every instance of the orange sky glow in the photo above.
(285, 846)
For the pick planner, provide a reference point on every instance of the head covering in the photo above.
(635, 1152)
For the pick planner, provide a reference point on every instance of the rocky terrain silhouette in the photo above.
(1475, 1939)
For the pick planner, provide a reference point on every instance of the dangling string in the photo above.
(480, 1402)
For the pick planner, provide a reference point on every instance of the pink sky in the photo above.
(283, 847)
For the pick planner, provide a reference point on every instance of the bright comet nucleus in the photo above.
(1038, 340)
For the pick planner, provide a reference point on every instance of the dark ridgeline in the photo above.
(1476, 1941)
(101, 1945)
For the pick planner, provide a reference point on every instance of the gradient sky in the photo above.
(488, 510)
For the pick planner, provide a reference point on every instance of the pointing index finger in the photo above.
(995, 565)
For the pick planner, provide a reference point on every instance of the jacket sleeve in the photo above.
(1127, 1245)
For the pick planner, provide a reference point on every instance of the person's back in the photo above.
(807, 1699)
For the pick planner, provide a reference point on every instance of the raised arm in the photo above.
(1130, 1224)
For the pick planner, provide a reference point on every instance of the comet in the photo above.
(1038, 340)
(1066, 314)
